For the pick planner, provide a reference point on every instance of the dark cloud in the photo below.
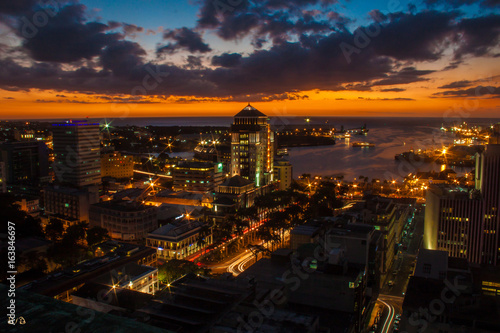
(490, 3)
(274, 19)
(404, 76)
(131, 29)
(393, 90)
(122, 57)
(67, 37)
(479, 91)
(297, 3)
(358, 87)
(227, 60)
(386, 99)
(416, 37)
(453, 65)
(193, 62)
(16, 7)
(449, 3)
(186, 39)
(460, 3)
(478, 36)
(457, 84)
(238, 25)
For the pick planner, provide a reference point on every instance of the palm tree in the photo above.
(252, 216)
(201, 241)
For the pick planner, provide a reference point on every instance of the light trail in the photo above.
(152, 174)
(234, 267)
(389, 319)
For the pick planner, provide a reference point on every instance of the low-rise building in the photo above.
(112, 255)
(30, 205)
(179, 239)
(132, 276)
(124, 220)
(197, 176)
(70, 204)
(235, 192)
(117, 165)
(306, 233)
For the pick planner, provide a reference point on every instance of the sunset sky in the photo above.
(287, 57)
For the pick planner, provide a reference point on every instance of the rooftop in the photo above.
(119, 254)
(42, 311)
(180, 228)
(195, 165)
(249, 111)
(237, 181)
(124, 206)
(121, 297)
(124, 274)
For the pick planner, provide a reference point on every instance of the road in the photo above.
(391, 298)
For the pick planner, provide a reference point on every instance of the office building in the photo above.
(70, 204)
(453, 222)
(446, 294)
(124, 220)
(197, 176)
(77, 158)
(466, 223)
(380, 212)
(252, 146)
(117, 166)
(26, 162)
(488, 184)
(283, 174)
(24, 134)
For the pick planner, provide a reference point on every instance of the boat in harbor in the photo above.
(363, 144)
(282, 152)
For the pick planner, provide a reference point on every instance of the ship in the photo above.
(363, 144)
(282, 152)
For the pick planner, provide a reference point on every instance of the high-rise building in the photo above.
(283, 174)
(466, 223)
(252, 143)
(26, 162)
(77, 153)
(488, 183)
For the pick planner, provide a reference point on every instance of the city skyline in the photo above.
(206, 58)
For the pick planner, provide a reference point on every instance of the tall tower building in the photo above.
(488, 183)
(467, 224)
(252, 143)
(77, 158)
